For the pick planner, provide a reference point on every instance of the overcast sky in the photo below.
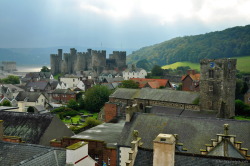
(113, 23)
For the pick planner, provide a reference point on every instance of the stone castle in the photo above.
(69, 63)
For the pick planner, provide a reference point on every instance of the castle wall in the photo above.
(217, 86)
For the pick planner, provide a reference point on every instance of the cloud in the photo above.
(131, 23)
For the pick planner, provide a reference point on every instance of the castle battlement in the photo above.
(92, 59)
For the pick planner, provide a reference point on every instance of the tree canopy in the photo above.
(10, 80)
(129, 84)
(157, 71)
(96, 97)
(232, 42)
(45, 69)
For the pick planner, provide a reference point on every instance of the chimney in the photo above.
(191, 71)
(164, 150)
(1, 130)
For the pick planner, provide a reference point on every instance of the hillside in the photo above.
(232, 42)
(242, 64)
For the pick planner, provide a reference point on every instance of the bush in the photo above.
(92, 122)
(241, 108)
(31, 109)
(64, 111)
(6, 103)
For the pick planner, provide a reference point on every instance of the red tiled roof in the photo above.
(153, 83)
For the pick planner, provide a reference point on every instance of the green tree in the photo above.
(129, 84)
(157, 71)
(45, 69)
(11, 80)
(73, 104)
(241, 108)
(6, 103)
(96, 97)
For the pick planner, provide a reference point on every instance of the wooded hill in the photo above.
(232, 42)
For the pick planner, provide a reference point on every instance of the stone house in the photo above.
(190, 82)
(27, 99)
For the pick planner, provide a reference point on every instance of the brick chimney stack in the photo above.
(164, 150)
(1, 130)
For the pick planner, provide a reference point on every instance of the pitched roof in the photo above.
(30, 127)
(143, 81)
(30, 154)
(193, 132)
(145, 157)
(194, 77)
(108, 132)
(12, 87)
(116, 79)
(125, 93)
(29, 96)
(40, 85)
(156, 94)
(63, 91)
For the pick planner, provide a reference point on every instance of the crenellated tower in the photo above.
(56, 62)
(120, 58)
(217, 86)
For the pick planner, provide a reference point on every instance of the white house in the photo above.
(27, 99)
(71, 80)
(136, 73)
(62, 85)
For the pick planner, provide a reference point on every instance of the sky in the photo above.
(117, 24)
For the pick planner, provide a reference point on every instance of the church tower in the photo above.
(217, 86)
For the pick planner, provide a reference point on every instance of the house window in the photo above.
(42, 100)
(108, 161)
(211, 73)
(248, 98)
(73, 80)
(96, 158)
(210, 88)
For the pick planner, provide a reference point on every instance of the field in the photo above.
(243, 64)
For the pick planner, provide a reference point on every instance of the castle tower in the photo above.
(56, 62)
(81, 62)
(120, 58)
(217, 86)
(98, 60)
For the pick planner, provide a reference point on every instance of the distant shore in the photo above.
(31, 68)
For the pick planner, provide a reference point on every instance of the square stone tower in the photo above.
(217, 86)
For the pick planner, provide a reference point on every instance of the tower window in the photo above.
(210, 88)
(211, 74)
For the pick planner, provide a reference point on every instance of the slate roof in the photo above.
(124, 93)
(116, 79)
(145, 157)
(30, 127)
(156, 94)
(181, 112)
(108, 132)
(39, 85)
(30, 96)
(12, 87)
(63, 91)
(29, 154)
(193, 132)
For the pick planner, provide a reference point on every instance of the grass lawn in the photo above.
(77, 118)
(242, 118)
(177, 64)
(242, 64)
